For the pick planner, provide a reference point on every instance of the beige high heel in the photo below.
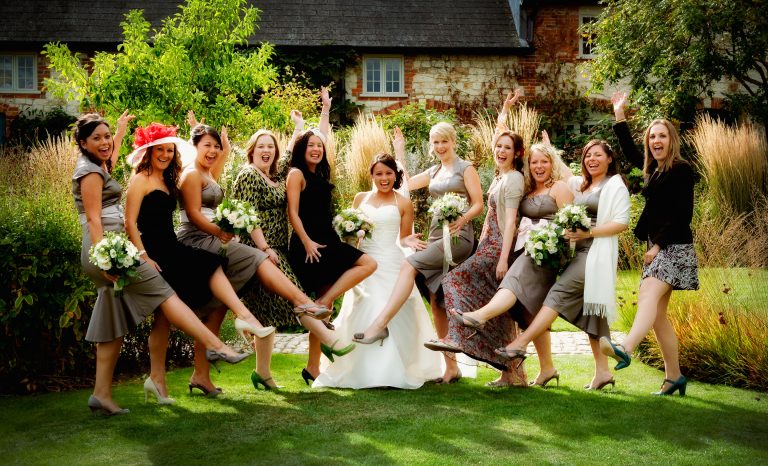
(151, 387)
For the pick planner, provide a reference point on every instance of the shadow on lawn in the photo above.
(346, 426)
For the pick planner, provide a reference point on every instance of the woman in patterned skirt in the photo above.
(524, 286)
(665, 224)
(451, 175)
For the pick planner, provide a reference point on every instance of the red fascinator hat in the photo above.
(155, 134)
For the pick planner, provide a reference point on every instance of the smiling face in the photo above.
(596, 162)
(541, 167)
(99, 143)
(162, 156)
(315, 151)
(208, 151)
(383, 178)
(659, 142)
(504, 153)
(264, 152)
(441, 145)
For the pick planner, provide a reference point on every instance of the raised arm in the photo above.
(218, 168)
(122, 127)
(621, 130)
(325, 112)
(509, 102)
(298, 127)
(414, 182)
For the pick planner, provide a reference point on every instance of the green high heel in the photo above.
(615, 351)
(677, 385)
(257, 380)
(331, 351)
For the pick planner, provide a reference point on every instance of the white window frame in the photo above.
(585, 13)
(15, 74)
(383, 93)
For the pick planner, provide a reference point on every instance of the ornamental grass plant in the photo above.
(367, 138)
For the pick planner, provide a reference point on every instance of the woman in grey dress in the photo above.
(97, 199)
(585, 293)
(524, 286)
(201, 194)
(451, 175)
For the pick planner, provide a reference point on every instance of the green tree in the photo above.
(197, 60)
(674, 51)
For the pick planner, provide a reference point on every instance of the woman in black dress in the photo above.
(195, 274)
(665, 225)
(97, 198)
(323, 263)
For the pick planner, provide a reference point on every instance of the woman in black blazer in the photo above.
(665, 224)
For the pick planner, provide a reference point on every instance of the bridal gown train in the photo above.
(401, 361)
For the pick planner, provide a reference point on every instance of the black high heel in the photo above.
(331, 351)
(213, 357)
(543, 384)
(306, 376)
(208, 393)
(677, 385)
(611, 382)
(512, 354)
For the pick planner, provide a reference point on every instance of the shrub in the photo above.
(34, 125)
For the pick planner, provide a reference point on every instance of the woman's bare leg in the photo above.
(441, 327)
(362, 269)
(106, 360)
(182, 317)
(400, 293)
(501, 302)
(158, 348)
(651, 303)
(543, 344)
(223, 291)
(201, 375)
(602, 372)
(541, 323)
(665, 335)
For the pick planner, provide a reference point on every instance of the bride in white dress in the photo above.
(401, 360)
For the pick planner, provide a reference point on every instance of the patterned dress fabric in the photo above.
(271, 204)
(242, 260)
(470, 286)
(429, 261)
(316, 213)
(114, 316)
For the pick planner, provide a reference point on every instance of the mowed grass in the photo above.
(455, 424)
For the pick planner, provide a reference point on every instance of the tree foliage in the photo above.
(675, 51)
(197, 60)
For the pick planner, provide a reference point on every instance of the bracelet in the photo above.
(325, 113)
(265, 248)
(142, 252)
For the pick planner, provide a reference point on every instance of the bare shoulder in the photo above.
(359, 198)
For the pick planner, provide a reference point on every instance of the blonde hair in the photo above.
(251, 146)
(442, 129)
(554, 159)
(673, 154)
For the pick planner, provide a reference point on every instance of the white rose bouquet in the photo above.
(236, 217)
(572, 217)
(445, 210)
(352, 225)
(116, 255)
(546, 245)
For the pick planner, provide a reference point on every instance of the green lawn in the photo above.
(456, 424)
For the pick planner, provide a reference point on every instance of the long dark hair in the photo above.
(518, 149)
(388, 161)
(299, 157)
(84, 127)
(613, 167)
(199, 131)
(170, 174)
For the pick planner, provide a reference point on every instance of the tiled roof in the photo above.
(435, 24)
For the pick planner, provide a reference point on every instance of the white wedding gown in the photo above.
(401, 361)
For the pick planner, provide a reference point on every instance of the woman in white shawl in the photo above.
(585, 293)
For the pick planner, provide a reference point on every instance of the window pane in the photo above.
(587, 40)
(373, 75)
(26, 70)
(393, 75)
(6, 72)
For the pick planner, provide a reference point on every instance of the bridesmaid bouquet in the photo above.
(352, 225)
(572, 217)
(445, 210)
(546, 245)
(116, 255)
(236, 217)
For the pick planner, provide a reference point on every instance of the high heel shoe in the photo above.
(207, 393)
(437, 345)
(611, 382)
(242, 326)
(257, 380)
(360, 338)
(512, 354)
(677, 385)
(321, 312)
(306, 376)
(468, 321)
(331, 351)
(97, 408)
(214, 357)
(616, 351)
(151, 387)
(543, 384)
